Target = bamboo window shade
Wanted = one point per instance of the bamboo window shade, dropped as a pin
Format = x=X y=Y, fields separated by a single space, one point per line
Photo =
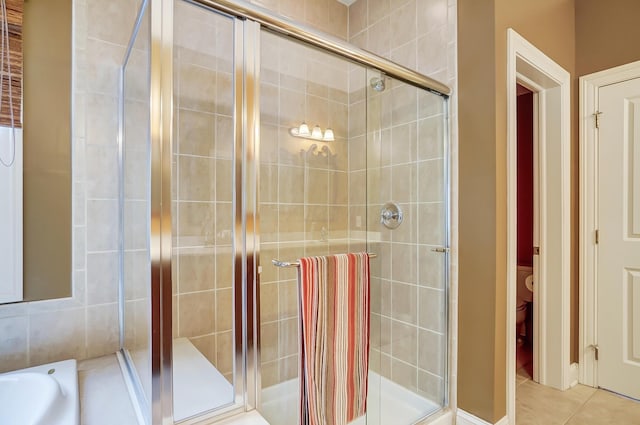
x=15 y=13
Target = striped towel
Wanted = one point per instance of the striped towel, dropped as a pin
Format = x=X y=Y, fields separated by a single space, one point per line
x=334 y=338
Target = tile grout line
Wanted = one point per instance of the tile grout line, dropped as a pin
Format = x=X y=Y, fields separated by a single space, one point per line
x=579 y=408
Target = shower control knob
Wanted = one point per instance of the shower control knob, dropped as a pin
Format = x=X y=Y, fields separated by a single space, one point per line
x=391 y=215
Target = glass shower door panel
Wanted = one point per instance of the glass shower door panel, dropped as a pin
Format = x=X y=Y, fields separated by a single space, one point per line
x=203 y=212
x=306 y=206
x=406 y=167
x=135 y=209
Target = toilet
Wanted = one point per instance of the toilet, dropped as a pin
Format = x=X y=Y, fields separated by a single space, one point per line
x=524 y=297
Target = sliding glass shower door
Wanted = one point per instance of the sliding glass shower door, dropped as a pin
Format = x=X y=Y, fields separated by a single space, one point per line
x=342 y=147
x=304 y=195
x=407 y=183
x=207 y=375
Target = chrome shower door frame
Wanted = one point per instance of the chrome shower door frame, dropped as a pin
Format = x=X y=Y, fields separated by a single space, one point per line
x=246 y=115
x=161 y=128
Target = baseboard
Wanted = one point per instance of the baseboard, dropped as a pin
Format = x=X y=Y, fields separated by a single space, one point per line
x=574 y=374
x=464 y=418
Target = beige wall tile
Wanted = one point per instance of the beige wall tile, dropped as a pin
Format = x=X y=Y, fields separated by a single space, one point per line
x=207 y=346
x=224 y=137
x=317 y=13
x=269 y=310
x=103 y=336
x=404 y=302
x=14 y=348
x=270 y=373
x=357 y=17
x=288 y=337
x=289 y=368
x=404 y=374
x=380 y=37
x=102 y=278
x=404 y=340
x=57 y=335
x=430 y=352
x=225 y=349
x=431 y=306
x=196 y=178
x=269 y=338
x=430 y=138
x=429 y=234
x=196 y=269
x=196 y=133
x=431 y=386
x=338 y=19
x=224 y=310
x=196 y=223
x=196 y=313
x=403 y=23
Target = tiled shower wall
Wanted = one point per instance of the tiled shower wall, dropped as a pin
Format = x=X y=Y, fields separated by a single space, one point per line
x=303 y=196
x=406 y=129
x=203 y=183
x=85 y=325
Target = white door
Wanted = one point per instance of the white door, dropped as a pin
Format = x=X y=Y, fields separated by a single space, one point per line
x=618 y=280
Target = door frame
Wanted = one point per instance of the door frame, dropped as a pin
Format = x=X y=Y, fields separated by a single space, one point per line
x=589 y=86
x=529 y=66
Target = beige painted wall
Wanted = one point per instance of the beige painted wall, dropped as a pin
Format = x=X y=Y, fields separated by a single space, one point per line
x=607 y=34
x=482 y=38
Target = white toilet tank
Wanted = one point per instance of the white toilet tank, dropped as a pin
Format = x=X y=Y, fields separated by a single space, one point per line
x=524 y=285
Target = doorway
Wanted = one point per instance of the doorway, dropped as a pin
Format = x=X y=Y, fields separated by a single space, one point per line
x=531 y=68
x=526 y=226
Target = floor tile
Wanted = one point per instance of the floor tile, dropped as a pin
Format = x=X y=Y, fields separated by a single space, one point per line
x=606 y=408
x=538 y=404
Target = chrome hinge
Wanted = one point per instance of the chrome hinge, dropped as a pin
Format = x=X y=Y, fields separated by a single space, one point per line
x=597 y=236
x=597 y=118
x=536 y=250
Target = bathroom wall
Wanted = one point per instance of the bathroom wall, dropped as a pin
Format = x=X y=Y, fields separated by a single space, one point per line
x=482 y=52
x=406 y=129
x=303 y=196
x=85 y=325
x=603 y=31
x=203 y=183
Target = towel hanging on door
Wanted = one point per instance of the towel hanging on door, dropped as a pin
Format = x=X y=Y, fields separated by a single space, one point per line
x=334 y=338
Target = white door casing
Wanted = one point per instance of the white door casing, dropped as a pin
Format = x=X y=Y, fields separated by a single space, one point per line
x=618 y=276
x=610 y=203
x=528 y=65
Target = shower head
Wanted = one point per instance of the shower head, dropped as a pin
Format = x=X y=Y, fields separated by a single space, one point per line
x=377 y=84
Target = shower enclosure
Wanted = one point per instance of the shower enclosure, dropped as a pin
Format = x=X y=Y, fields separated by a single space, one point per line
x=244 y=139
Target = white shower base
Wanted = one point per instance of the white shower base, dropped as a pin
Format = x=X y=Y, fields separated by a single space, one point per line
x=398 y=405
x=197 y=385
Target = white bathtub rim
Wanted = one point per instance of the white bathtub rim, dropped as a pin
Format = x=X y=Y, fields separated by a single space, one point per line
x=66 y=409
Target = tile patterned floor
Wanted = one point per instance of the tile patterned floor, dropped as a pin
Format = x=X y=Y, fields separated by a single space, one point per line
x=581 y=405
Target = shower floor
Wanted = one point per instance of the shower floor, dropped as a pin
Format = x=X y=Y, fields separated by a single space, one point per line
x=197 y=385
x=398 y=405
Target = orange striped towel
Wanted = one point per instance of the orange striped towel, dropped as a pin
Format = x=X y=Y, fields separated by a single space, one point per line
x=334 y=338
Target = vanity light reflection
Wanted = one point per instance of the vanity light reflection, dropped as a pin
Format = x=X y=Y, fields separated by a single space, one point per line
x=316 y=134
